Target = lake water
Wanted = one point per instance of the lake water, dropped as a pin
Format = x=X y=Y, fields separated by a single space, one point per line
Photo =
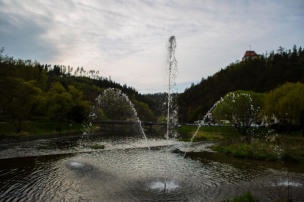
x=58 y=169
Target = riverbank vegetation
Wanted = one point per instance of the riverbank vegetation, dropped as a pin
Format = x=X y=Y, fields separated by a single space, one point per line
x=246 y=197
x=210 y=133
x=281 y=147
x=38 y=129
x=286 y=147
x=278 y=133
x=241 y=109
x=260 y=99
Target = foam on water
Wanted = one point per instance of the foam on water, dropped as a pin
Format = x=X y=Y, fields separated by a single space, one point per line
x=287 y=183
x=163 y=186
x=76 y=164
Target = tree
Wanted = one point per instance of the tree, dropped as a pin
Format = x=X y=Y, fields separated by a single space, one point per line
x=59 y=104
x=80 y=108
x=18 y=100
x=116 y=105
x=241 y=108
x=286 y=103
x=143 y=110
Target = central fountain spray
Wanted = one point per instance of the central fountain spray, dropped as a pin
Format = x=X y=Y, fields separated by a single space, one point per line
x=171 y=82
x=171 y=111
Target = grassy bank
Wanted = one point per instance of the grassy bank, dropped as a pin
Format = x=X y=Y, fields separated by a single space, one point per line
x=259 y=151
x=207 y=133
x=247 y=197
x=287 y=147
x=45 y=129
x=38 y=129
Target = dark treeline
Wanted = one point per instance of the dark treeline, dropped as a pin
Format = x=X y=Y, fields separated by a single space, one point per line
x=32 y=92
x=157 y=103
x=260 y=74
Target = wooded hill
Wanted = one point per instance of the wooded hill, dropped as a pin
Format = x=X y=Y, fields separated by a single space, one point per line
x=32 y=92
x=260 y=74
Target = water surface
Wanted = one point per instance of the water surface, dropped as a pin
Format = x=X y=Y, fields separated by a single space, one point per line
x=128 y=171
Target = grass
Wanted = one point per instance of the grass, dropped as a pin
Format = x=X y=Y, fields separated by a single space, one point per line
x=286 y=147
x=247 y=197
x=293 y=147
x=258 y=151
x=207 y=133
x=97 y=147
x=31 y=128
x=201 y=136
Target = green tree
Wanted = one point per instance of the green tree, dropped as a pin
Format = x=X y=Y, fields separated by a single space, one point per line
x=162 y=119
x=143 y=110
x=80 y=108
x=286 y=103
x=116 y=105
x=40 y=105
x=241 y=108
x=18 y=100
x=59 y=104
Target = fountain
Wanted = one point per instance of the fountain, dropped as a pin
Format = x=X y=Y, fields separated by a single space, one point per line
x=171 y=110
x=106 y=100
x=172 y=70
x=112 y=98
x=127 y=170
x=202 y=122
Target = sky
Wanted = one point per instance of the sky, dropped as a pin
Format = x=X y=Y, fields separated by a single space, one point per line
x=127 y=40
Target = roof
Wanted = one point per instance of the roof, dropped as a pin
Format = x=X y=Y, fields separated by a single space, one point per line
x=249 y=53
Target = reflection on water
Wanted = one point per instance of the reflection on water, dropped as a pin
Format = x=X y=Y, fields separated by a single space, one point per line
x=127 y=171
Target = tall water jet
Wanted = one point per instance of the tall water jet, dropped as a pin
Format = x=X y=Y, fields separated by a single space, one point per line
x=172 y=70
x=171 y=109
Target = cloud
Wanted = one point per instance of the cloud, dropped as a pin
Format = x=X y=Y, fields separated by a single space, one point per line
x=21 y=35
x=127 y=39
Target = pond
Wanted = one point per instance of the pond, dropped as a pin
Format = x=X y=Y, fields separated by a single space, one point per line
x=58 y=169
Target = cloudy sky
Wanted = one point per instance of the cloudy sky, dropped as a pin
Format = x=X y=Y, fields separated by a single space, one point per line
x=127 y=39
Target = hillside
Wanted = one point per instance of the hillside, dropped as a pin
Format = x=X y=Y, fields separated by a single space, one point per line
x=260 y=74
x=33 y=93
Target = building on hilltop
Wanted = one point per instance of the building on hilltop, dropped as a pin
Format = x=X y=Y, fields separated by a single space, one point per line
x=249 y=54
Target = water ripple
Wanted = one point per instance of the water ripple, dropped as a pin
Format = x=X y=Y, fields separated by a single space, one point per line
x=138 y=175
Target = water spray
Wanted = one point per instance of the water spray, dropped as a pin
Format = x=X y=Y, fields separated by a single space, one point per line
x=171 y=79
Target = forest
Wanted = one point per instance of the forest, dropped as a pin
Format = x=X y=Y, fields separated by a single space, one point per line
x=261 y=74
x=57 y=96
